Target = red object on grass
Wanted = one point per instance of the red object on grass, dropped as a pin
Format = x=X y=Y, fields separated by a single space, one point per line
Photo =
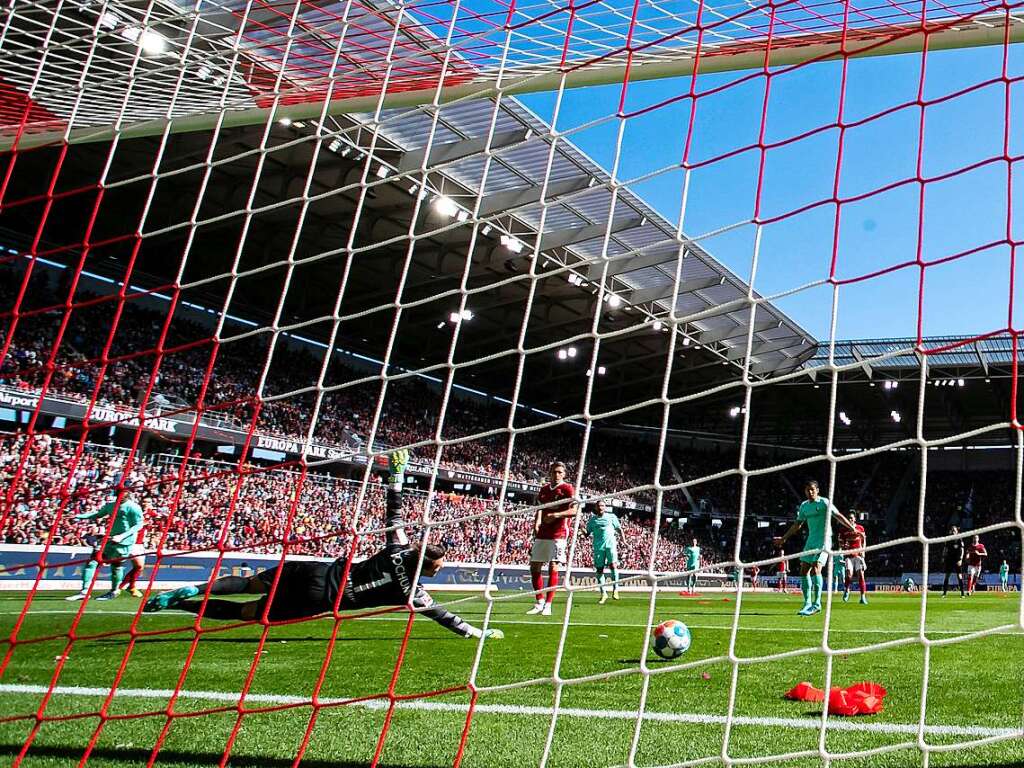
x=858 y=699
x=805 y=692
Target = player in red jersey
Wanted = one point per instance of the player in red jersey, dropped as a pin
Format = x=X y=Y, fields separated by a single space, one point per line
x=551 y=532
x=781 y=583
x=853 y=543
x=138 y=556
x=975 y=552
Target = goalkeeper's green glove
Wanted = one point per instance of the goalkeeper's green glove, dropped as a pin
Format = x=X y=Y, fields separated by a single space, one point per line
x=397 y=463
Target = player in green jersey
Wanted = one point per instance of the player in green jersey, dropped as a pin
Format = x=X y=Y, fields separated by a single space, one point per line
x=838 y=573
x=601 y=528
x=1004 y=577
x=128 y=521
x=692 y=564
x=736 y=577
x=814 y=513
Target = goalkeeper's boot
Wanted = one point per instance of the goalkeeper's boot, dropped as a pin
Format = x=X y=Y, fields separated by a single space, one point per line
x=816 y=608
x=170 y=599
x=807 y=610
x=604 y=598
x=846 y=595
x=863 y=599
x=111 y=595
x=397 y=463
x=615 y=593
x=77 y=596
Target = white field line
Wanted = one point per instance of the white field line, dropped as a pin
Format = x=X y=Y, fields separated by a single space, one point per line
x=807 y=723
x=908 y=632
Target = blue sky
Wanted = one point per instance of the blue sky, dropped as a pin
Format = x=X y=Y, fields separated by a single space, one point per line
x=966 y=296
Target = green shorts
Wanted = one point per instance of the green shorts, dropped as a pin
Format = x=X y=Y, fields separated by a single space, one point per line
x=112 y=552
x=819 y=558
x=605 y=557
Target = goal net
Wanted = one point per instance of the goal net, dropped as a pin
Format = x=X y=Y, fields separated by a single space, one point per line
x=250 y=249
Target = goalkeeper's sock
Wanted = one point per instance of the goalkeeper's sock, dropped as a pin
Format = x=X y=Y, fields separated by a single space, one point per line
x=88 y=571
x=805 y=587
x=219 y=610
x=817 y=584
x=615 y=577
x=226 y=585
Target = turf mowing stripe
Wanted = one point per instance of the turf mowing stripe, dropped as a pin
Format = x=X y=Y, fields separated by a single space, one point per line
x=910 y=631
x=810 y=723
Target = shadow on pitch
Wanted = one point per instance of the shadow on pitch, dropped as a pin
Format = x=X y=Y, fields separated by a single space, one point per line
x=134 y=757
x=255 y=640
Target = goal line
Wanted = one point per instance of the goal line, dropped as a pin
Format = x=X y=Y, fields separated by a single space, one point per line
x=694 y=718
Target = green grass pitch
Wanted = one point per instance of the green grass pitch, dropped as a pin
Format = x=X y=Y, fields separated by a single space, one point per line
x=974 y=694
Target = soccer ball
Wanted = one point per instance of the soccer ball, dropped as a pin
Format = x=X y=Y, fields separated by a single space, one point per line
x=671 y=639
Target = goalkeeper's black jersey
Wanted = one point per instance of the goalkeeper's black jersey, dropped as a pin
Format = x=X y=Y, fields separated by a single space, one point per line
x=387 y=578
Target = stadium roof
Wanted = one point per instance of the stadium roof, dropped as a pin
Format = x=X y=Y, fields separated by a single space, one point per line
x=643 y=250
x=990 y=355
x=294 y=49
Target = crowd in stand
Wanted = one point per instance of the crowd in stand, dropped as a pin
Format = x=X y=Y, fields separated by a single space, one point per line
x=209 y=504
x=210 y=507
x=227 y=377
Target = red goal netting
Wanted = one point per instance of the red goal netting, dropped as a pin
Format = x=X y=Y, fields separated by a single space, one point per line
x=244 y=244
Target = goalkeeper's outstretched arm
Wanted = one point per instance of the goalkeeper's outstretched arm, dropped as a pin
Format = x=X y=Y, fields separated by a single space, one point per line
x=424 y=603
x=396 y=535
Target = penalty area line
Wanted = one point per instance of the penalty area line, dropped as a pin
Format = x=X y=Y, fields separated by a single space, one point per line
x=694 y=718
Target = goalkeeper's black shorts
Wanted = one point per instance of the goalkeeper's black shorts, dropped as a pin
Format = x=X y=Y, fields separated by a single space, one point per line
x=301 y=590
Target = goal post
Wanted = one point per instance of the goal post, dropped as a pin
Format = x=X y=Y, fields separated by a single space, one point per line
x=676 y=53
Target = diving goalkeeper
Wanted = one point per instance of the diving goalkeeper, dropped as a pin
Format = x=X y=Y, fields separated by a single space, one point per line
x=308 y=588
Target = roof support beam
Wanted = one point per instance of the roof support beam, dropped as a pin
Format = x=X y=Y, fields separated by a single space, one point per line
x=456 y=150
x=868 y=370
x=618 y=264
x=522 y=196
x=659 y=292
x=982 y=357
x=780 y=368
x=739 y=329
x=560 y=238
x=740 y=351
